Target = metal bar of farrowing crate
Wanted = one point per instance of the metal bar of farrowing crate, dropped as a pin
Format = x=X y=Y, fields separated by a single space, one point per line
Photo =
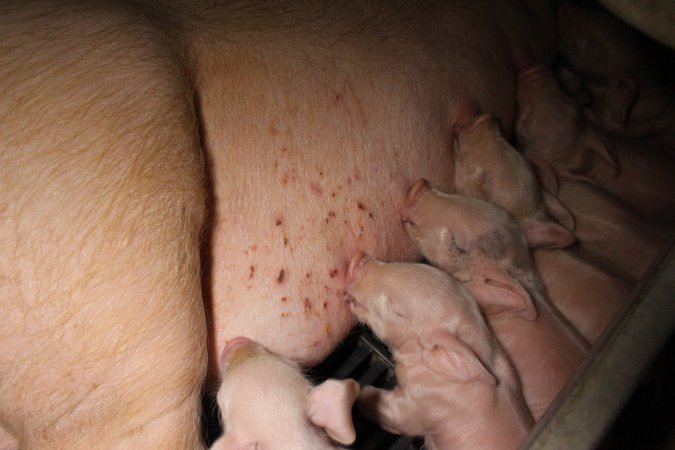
x=581 y=415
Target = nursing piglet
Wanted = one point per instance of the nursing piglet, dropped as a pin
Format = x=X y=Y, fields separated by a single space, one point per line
x=629 y=78
x=455 y=384
x=488 y=167
x=266 y=403
x=480 y=245
x=555 y=134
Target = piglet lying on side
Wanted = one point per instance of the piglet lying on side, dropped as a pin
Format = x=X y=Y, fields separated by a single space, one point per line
x=455 y=384
x=266 y=403
x=479 y=244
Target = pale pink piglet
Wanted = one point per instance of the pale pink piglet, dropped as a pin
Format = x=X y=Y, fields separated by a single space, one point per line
x=455 y=384
x=266 y=403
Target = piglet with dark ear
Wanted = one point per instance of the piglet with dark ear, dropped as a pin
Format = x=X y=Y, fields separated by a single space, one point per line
x=267 y=404
x=482 y=246
x=455 y=384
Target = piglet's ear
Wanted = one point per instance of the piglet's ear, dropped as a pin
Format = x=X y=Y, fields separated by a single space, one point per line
x=600 y=143
x=330 y=407
x=500 y=296
x=558 y=211
x=452 y=359
x=621 y=93
x=545 y=174
x=547 y=234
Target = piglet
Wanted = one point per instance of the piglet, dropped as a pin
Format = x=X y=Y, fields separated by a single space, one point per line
x=266 y=403
x=562 y=141
x=629 y=78
x=482 y=246
x=615 y=233
x=595 y=297
x=551 y=129
x=455 y=384
x=488 y=167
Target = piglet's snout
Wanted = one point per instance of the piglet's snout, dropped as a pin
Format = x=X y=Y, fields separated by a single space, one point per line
x=236 y=349
x=480 y=121
x=357 y=262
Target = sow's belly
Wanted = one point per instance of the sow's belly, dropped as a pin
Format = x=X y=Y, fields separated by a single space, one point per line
x=310 y=156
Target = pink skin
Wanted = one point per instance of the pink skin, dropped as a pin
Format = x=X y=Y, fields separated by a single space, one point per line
x=265 y=402
x=595 y=298
x=488 y=167
x=550 y=127
x=7 y=442
x=341 y=151
x=622 y=70
x=455 y=384
x=184 y=173
x=611 y=231
x=557 y=137
x=483 y=247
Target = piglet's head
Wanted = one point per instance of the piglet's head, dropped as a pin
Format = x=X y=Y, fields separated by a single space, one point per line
x=396 y=300
x=452 y=230
x=266 y=403
x=436 y=230
x=371 y=298
x=477 y=242
x=426 y=316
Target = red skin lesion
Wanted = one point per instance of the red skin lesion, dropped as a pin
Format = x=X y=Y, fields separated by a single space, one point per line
x=315 y=188
x=307 y=305
x=331 y=215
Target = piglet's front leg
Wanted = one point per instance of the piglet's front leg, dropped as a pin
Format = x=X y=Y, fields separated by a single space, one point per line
x=386 y=408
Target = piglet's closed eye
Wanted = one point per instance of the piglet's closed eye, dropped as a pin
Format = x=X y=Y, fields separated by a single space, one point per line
x=452 y=359
x=329 y=406
x=501 y=296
